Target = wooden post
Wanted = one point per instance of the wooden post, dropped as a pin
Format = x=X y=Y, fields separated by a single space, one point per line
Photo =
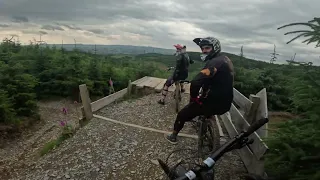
x=250 y=116
x=129 y=89
x=262 y=112
x=86 y=102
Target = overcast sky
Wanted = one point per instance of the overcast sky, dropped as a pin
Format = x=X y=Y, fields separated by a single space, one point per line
x=251 y=23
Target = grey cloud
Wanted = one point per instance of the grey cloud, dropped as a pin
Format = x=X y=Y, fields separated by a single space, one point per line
x=33 y=32
x=78 y=10
x=69 y=26
x=110 y=38
x=4 y=25
x=234 y=22
x=19 y=19
x=52 y=28
x=43 y=32
x=96 y=31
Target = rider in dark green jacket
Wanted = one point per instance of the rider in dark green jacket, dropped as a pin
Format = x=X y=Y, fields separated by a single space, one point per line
x=181 y=70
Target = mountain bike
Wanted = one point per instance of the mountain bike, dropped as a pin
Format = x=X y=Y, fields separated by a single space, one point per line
x=177 y=92
x=205 y=171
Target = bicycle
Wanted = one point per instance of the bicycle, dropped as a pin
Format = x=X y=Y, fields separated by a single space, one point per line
x=177 y=92
x=204 y=171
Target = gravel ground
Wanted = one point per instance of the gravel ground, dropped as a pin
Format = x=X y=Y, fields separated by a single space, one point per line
x=105 y=150
x=23 y=151
x=147 y=112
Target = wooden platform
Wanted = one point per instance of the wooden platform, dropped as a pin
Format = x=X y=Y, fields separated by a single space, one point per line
x=156 y=84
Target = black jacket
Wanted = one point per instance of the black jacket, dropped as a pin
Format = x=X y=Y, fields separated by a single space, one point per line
x=216 y=79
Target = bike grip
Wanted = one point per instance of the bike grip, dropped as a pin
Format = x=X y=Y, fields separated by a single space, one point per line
x=255 y=126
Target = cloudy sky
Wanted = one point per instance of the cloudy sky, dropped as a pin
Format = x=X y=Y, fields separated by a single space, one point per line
x=251 y=23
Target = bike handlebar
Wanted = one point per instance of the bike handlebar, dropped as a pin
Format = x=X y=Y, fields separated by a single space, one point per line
x=255 y=126
x=236 y=142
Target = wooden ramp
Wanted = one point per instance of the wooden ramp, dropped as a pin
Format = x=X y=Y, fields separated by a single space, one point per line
x=156 y=84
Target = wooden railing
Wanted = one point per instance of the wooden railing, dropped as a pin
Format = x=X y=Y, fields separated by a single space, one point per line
x=239 y=119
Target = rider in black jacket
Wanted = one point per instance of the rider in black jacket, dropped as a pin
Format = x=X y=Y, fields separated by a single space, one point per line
x=181 y=70
x=216 y=80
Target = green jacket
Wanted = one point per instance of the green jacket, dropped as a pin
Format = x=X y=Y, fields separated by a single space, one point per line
x=182 y=63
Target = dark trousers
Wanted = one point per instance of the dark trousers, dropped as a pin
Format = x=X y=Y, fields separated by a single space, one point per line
x=193 y=110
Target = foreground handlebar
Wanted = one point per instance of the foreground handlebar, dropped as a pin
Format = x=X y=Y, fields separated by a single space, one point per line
x=255 y=126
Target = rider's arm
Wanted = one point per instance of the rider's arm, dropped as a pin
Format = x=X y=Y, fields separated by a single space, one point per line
x=202 y=78
x=231 y=68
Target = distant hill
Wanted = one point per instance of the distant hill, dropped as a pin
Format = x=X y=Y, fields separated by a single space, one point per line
x=115 y=49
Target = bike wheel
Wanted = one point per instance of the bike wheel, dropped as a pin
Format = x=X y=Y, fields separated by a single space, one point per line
x=202 y=127
x=212 y=134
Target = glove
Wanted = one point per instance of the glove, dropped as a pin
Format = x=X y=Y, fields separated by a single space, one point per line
x=196 y=100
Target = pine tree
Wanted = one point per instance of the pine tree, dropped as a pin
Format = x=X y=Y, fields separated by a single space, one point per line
x=295 y=147
x=313 y=35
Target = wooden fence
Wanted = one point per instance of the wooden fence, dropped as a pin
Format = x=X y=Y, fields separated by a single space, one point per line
x=239 y=119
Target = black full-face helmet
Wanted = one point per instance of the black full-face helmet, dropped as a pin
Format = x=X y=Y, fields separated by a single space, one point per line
x=209 y=41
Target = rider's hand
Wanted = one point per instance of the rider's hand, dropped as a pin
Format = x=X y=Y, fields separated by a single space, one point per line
x=196 y=100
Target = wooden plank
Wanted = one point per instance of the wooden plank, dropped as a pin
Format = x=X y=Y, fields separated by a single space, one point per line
x=155 y=82
x=159 y=87
x=251 y=114
x=136 y=86
x=258 y=147
x=252 y=164
x=146 y=82
x=262 y=112
x=151 y=82
x=145 y=128
x=100 y=103
x=139 y=80
x=86 y=101
x=243 y=102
